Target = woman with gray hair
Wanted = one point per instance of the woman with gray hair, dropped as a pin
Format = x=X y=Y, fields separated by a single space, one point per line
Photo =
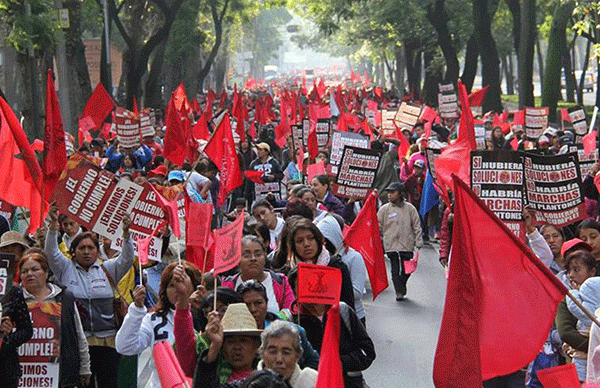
x=280 y=350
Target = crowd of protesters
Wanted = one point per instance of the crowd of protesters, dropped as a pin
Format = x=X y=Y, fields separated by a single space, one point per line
x=258 y=331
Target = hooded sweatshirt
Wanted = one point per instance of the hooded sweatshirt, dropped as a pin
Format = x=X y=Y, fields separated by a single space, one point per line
x=331 y=230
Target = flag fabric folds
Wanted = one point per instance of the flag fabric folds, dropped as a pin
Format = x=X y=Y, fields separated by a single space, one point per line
x=55 y=150
x=562 y=376
x=330 y=374
x=500 y=299
x=170 y=210
x=364 y=237
x=228 y=245
x=98 y=106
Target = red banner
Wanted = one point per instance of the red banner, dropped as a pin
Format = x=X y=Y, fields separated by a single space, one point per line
x=319 y=284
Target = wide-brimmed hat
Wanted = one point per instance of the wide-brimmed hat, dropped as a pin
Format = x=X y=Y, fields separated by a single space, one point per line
x=12 y=237
x=239 y=321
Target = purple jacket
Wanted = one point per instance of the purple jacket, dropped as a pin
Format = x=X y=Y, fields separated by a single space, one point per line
x=281 y=287
x=333 y=204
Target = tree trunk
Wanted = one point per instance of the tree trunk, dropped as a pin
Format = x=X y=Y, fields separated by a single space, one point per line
x=431 y=83
x=508 y=76
x=400 y=57
x=218 y=26
x=557 y=41
x=413 y=69
x=220 y=71
x=570 y=83
x=586 y=62
x=526 y=53
x=32 y=102
x=514 y=7
x=538 y=50
x=105 y=67
x=153 y=97
x=437 y=16
x=511 y=73
x=490 y=64
x=471 y=59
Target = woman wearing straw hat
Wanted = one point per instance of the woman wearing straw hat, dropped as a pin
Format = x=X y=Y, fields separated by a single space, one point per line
x=232 y=354
x=13 y=243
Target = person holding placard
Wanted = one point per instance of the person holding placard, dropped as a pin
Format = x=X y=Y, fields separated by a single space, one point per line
x=322 y=188
x=73 y=351
x=92 y=284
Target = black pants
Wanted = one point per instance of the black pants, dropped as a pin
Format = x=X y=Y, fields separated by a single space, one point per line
x=513 y=380
x=399 y=277
x=104 y=362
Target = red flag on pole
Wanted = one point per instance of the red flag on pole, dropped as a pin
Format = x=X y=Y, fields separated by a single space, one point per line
x=319 y=284
x=519 y=117
x=489 y=299
x=330 y=373
x=200 y=130
x=221 y=150
x=168 y=368
x=364 y=237
x=20 y=174
x=476 y=98
x=177 y=139
x=255 y=176
x=98 y=106
x=143 y=244
x=564 y=115
x=589 y=142
x=228 y=245
x=312 y=144
x=181 y=101
x=562 y=376
x=198 y=236
x=55 y=150
x=454 y=159
x=467 y=126
x=170 y=210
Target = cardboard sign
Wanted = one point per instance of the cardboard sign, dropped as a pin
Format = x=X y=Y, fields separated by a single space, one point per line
x=276 y=188
x=7 y=273
x=536 y=121
x=97 y=200
x=553 y=188
x=388 y=128
x=480 y=137
x=497 y=178
x=341 y=139
x=298 y=136
x=448 y=102
x=577 y=115
x=39 y=355
x=585 y=162
x=432 y=154
x=323 y=129
x=407 y=116
x=357 y=172
x=319 y=284
x=147 y=122
x=128 y=128
x=305 y=132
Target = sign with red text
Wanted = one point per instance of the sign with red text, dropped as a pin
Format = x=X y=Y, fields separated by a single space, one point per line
x=341 y=139
x=448 y=102
x=323 y=128
x=553 y=188
x=127 y=125
x=497 y=178
x=406 y=117
x=357 y=172
x=536 y=121
x=577 y=116
x=319 y=284
x=39 y=356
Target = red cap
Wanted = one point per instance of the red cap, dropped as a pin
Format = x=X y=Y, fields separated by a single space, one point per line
x=160 y=170
x=573 y=245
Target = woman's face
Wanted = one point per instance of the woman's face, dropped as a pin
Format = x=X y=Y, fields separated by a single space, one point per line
x=306 y=245
x=281 y=356
x=252 y=263
x=319 y=188
x=86 y=253
x=554 y=240
x=310 y=200
x=257 y=305
x=266 y=216
x=592 y=237
x=239 y=351
x=128 y=161
x=497 y=133
x=32 y=275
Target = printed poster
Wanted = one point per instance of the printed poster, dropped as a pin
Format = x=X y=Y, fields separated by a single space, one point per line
x=128 y=128
x=357 y=172
x=341 y=139
x=536 y=121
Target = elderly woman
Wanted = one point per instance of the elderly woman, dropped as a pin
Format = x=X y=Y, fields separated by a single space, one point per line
x=74 y=366
x=281 y=350
x=92 y=283
x=252 y=266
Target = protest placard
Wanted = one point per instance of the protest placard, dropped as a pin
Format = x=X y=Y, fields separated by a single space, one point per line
x=448 y=102
x=39 y=355
x=341 y=139
x=276 y=188
x=356 y=173
x=128 y=128
x=97 y=200
x=497 y=178
x=147 y=121
x=7 y=210
x=7 y=273
x=480 y=137
x=553 y=188
x=388 y=128
x=432 y=154
x=585 y=162
x=407 y=116
x=298 y=137
x=305 y=132
x=536 y=121
x=323 y=129
x=577 y=115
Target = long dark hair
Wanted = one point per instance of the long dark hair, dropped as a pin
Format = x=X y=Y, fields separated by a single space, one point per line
x=79 y=238
x=306 y=224
x=163 y=306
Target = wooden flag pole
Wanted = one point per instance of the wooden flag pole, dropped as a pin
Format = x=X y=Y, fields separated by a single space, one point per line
x=585 y=310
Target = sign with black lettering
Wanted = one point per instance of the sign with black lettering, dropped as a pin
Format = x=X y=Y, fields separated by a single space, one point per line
x=448 y=102
x=323 y=129
x=553 y=188
x=127 y=124
x=341 y=139
x=536 y=121
x=577 y=116
x=357 y=172
x=497 y=178
x=406 y=117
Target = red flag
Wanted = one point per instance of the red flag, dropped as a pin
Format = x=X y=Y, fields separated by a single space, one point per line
x=476 y=98
x=315 y=169
x=55 y=150
x=281 y=131
x=168 y=368
x=319 y=284
x=210 y=99
x=589 y=142
x=255 y=176
x=454 y=159
x=353 y=77
x=178 y=143
x=363 y=236
x=200 y=130
x=321 y=89
x=467 y=127
x=196 y=106
x=199 y=237
x=20 y=174
x=228 y=245
x=181 y=101
x=37 y=145
x=488 y=299
x=404 y=145
x=143 y=244
x=222 y=98
x=562 y=376
x=86 y=124
x=221 y=150
x=98 y=106
x=519 y=117
x=514 y=143
x=564 y=115
x=170 y=209
x=135 y=107
x=330 y=374
x=312 y=144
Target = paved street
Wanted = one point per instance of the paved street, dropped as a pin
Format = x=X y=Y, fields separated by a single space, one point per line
x=405 y=333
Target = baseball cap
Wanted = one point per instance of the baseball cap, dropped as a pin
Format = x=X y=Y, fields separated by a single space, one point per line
x=419 y=163
x=573 y=245
x=395 y=186
x=176 y=175
x=264 y=146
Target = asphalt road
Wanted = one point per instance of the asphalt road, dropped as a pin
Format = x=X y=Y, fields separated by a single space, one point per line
x=405 y=333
